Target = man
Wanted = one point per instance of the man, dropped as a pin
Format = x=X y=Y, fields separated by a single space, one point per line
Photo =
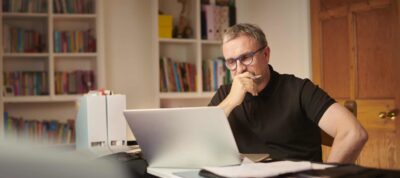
x=277 y=113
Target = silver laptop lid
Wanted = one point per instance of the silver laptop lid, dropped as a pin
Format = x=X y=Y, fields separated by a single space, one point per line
x=184 y=137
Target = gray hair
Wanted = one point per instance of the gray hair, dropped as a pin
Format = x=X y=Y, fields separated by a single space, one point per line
x=249 y=30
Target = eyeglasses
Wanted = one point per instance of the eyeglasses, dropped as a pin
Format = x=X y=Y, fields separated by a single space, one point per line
x=245 y=59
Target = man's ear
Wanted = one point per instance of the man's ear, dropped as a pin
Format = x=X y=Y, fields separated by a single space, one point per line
x=267 y=52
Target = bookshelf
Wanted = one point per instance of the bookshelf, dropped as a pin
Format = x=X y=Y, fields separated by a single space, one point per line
x=194 y=50
x=52 y=53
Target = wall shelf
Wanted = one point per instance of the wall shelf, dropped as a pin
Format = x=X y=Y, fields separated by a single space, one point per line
x=33 y=74
x=194 y=51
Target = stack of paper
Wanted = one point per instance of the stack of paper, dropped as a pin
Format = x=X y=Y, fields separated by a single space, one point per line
x=260 y=169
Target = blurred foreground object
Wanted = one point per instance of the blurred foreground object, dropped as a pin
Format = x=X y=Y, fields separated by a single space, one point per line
x=38 y=161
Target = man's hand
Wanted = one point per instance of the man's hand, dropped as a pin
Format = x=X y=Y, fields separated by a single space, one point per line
x=242 y=83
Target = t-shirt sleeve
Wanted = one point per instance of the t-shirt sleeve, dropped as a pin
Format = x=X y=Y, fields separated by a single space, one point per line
x=219 y=96
x=314 y=101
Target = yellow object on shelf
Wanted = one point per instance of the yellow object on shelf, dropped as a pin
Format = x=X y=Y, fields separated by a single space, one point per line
x=165 y=26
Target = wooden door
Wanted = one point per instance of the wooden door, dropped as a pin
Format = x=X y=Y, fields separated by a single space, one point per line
x=356 y=54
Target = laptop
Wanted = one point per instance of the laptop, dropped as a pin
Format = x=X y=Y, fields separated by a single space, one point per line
x=184 y=137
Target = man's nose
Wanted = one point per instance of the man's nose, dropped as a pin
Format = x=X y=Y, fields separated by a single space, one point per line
x=240 y=68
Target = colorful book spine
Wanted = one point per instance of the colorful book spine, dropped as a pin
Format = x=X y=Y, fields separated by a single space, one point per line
x=20 y=40
x=74 y=41
x=23 y=6
x=22 y=83
x=51 y=132
x=75 y=82
x=177 y=76
x=74 y=6
x=215 y=74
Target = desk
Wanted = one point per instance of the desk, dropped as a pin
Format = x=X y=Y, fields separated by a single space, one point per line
x=340 y=171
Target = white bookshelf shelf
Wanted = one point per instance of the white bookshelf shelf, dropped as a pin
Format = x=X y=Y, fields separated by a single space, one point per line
x=211 y=42
x=75 y=55
x=24 y=15
x=74 y=16
x=173 y=40
x=38 y=99
x=186 y=95
x=66 y=97
x=26 y=99
x=25 y=55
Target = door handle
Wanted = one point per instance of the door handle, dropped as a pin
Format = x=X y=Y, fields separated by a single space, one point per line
x=392 y=114
x=382 y=115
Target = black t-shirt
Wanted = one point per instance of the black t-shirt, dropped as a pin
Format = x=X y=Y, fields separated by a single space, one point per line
x=282 y=120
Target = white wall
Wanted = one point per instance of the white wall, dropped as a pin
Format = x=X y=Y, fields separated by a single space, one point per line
x=286 y=24
x=129 y=43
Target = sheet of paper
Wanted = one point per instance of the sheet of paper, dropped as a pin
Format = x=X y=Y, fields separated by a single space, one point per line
x=260 y=169
x=319 y=166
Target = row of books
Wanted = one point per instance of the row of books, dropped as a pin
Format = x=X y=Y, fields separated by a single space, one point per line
x=215 y=20
x=35 y=83
x=177 y=76
x=76 y=82
x=46 y=131
x=22 y=83
x=215 y=74
x=19 y=40
x=74 y=41
x=74 y=6
x=31 y=6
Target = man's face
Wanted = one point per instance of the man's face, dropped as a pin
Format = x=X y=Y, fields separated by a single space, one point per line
x=241 y=46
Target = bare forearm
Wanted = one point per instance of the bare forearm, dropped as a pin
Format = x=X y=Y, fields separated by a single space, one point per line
x=227 y=106
x=347 y=147
x=349 y=135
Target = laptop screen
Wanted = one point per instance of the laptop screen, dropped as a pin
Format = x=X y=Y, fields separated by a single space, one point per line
x=184 y=137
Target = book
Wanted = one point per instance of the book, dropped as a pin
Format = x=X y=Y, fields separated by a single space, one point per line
x=176 y=76
x=223 y=19
x=203 y=23
x=165 y=26
x=20 y=129
x=210 y=21
x=163 y=82
x=168 y=81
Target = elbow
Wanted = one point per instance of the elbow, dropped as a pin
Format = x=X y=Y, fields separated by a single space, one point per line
x=360 y=137
x=356 y=136
x=363 y=136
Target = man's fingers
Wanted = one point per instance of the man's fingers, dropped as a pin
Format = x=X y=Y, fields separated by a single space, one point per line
x=255 y=93
x=253 y=88
x=248 y=75
x=249 y=86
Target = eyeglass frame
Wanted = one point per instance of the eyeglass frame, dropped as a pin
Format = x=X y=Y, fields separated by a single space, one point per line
x=244 y=56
